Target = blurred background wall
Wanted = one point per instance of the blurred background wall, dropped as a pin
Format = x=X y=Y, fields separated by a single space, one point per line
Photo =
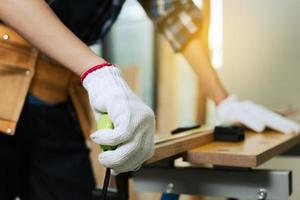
x=261 y=49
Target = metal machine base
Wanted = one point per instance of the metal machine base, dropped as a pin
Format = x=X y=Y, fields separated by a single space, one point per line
x=230 y=183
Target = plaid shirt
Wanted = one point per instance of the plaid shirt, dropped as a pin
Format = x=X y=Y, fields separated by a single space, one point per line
x=177 y=20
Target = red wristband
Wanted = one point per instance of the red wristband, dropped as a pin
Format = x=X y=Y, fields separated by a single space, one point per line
x=87 y=72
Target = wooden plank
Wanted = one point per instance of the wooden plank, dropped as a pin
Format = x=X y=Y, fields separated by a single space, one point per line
x=166 y=99
x=255 y=150
x=171 y=146
x=132 y=76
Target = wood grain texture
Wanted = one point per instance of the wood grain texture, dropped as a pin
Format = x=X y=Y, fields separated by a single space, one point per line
x=255 y=150
x=180 y=145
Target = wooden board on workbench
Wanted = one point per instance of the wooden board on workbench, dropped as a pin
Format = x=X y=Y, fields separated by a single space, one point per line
x=255 y=150
x=180 y=143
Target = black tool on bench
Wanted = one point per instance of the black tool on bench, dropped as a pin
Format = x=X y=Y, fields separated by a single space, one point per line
x=187 y=128
x=229 y=133
x=221 y=133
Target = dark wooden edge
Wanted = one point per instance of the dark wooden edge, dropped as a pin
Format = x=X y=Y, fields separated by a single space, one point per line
x=177 y=146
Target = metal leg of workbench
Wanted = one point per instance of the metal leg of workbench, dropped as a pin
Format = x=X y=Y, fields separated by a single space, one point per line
x=244 y=184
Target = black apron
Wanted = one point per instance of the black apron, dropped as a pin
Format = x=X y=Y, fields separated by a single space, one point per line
x=89 y=20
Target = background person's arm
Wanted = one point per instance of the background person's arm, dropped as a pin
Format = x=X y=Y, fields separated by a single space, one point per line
x=197 y=55
x=230 y=110
x=35 y=21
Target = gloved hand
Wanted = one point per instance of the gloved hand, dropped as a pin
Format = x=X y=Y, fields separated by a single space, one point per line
x=134 y=122
x=256 y=117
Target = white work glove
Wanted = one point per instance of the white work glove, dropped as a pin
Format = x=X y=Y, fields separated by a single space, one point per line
x=134 y=122
x=256 y=117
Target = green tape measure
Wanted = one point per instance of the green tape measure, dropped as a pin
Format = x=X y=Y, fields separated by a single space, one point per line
x=105 y=123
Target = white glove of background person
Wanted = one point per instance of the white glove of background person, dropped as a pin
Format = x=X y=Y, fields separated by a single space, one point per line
x=134 y=122
x=256 y=117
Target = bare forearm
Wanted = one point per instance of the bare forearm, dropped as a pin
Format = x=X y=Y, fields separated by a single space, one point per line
x=196 y=54
x=38 y=24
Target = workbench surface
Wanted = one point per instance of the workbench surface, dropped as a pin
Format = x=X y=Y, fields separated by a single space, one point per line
x=256 y=149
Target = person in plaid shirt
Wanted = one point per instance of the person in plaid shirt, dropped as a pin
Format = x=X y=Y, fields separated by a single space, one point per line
x=55 y=171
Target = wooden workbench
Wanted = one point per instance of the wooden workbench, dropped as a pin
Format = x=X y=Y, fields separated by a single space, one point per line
x=256 y=149
x=246 y=182
x=198 y=147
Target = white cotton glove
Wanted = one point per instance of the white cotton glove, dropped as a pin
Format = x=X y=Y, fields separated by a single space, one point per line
x=256 y=117
x=134 y=122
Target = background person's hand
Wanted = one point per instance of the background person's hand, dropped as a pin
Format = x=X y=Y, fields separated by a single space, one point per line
x=256 y=117
x=134 y=122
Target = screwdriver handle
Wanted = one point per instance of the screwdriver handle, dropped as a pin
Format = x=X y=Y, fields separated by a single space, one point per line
x=105 y=123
